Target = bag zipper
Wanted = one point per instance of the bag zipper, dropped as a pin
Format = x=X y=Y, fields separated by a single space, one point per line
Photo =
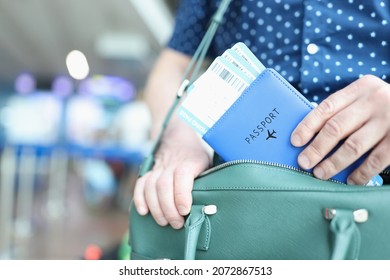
x=234 y=162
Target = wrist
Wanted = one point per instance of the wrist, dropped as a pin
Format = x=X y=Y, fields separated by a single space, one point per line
x=180 y=133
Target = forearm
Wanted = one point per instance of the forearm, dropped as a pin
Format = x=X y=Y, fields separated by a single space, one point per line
x=162 y=86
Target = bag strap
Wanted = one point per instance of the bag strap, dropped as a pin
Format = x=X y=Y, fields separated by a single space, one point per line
x=189 y=76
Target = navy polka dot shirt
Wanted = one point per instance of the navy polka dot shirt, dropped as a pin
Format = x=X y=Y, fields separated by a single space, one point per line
x=320 y=46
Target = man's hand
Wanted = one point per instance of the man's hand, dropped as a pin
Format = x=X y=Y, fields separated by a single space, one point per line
x=165 y=191
x=360 y=114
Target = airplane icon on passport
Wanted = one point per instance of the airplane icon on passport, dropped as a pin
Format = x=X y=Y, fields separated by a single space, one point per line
x=271 y=134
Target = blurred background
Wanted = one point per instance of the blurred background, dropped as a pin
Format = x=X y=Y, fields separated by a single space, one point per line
x=73 y=126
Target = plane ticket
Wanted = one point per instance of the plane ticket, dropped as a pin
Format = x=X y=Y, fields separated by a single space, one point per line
x=218 y=88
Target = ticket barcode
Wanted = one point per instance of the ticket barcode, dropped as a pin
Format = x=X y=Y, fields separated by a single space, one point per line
x=233 y=80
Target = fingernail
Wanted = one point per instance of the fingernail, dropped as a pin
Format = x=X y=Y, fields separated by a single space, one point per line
x=296 y=140
x=142 y=210
x=319 y=173
x=162 y=221
x=182 y=210
x=176 y=224
x=303 y=161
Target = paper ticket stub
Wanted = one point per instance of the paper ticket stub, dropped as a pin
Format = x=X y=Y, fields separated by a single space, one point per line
x=246 y=53
x=243 y=65
x=212 y=94
x=219 y=87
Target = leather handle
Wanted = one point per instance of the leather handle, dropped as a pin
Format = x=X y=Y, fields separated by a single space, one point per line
x=192 y=227
x=346 y=236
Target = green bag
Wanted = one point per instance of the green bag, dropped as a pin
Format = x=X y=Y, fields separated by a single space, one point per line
x=249 y=210
x=255 y=210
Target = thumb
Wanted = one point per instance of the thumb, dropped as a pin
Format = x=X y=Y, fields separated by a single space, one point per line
x=183 y=183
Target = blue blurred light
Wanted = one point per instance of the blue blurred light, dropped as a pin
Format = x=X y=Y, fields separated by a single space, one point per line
x=108 y=86
x=25 y=83
x=62 y=86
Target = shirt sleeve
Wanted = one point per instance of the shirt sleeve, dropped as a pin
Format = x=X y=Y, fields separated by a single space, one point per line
x=191 y=21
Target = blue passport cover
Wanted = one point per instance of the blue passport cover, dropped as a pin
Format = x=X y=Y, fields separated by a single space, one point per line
x=259 y=124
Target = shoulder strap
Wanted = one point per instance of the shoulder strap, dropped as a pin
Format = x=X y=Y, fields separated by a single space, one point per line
x=189 y=76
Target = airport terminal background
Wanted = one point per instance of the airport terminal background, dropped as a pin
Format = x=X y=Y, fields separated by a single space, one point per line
x=73 y=126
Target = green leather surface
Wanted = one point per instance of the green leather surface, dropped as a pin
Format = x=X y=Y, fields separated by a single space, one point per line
x=267 y=212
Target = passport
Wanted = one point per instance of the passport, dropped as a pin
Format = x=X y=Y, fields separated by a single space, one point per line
x=246 y=111
x=258 y=125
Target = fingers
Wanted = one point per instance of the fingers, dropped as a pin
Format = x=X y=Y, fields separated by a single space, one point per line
x=184 y=180
x=376 y=162
x=332 y=132
x=359 y=114
x=165 y=193
x=351 y=150
x=152 y=199
x=138 y=196
x=317 y=118
x=158 y=192
x=174 y=192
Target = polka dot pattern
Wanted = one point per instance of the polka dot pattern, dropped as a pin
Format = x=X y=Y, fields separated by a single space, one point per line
x=318 y=46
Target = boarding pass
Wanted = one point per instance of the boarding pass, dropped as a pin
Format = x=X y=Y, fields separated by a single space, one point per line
x=219 y=86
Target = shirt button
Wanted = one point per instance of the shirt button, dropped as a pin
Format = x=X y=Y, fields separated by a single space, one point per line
x=312 y=48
